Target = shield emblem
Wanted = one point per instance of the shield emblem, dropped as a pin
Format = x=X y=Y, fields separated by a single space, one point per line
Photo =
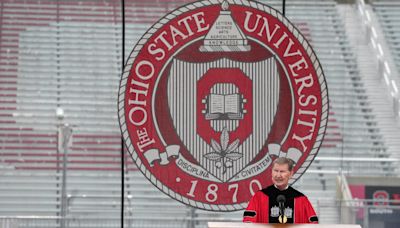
x=213 y=93
x=217 y=107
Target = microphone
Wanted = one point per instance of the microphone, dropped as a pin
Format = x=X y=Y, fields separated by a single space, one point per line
x=281 y=199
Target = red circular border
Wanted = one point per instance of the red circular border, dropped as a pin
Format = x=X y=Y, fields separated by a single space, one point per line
x=167 y=178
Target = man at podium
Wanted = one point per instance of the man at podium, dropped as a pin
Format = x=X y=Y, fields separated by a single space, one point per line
x=280 y=203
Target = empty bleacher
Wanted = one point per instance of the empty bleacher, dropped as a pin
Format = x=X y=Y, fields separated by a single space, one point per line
x=387 y=13
x=67 y=55
x=354 y=144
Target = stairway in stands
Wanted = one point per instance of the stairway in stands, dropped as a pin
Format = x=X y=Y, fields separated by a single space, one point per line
x=66 y=54
x=360 y=146
x=386 y=21
x=381 y=101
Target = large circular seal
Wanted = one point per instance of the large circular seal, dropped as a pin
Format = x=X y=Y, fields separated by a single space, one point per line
x=213 y=93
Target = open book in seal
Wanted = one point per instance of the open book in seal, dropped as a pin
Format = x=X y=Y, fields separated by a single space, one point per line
x=224 y=107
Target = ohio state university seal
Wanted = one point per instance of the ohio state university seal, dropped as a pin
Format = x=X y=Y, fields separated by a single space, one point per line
x=213 y=93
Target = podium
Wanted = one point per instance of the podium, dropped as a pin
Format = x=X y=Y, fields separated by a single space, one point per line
x=259 y=225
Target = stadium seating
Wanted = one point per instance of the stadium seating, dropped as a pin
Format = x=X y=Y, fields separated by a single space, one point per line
x=387 y=12
x=67 y=55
